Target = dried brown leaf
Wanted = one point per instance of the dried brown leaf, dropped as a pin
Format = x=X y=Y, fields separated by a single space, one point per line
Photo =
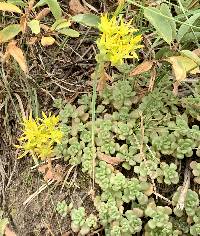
x=9 y=232
x=44 y=12
x=76 y=7
x=23 y=23
x=32 y=40
x=5 y=57
x=47 y=41
x=68 y=233
x=45 y=27
x=55 y=173
x=108 y=159
x=197 y=52
x=18 y=55
x=30 y=5
x=143 y=67
x=102 y=81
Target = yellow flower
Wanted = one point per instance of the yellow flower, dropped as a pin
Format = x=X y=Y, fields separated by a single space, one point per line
x=40 y=135
x=117 y=41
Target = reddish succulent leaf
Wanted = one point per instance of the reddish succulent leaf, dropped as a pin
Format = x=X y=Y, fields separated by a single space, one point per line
x=109 y=159
x=143 y=67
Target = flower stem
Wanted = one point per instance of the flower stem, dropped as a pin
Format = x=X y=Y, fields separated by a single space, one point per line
x=97 y=74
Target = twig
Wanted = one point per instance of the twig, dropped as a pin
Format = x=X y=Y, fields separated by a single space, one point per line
x=90 y=6
x=32 y=196
x=12 y=173
x=67 y=176
x=181 y=201
x=162 y=197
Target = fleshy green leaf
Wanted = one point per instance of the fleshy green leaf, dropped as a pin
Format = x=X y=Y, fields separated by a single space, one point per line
x=191 y=55
x=87 y=19
x=17 y=3
x=69 y=32
x=60 y=24
x=190 y=37
x=3 y=223
x=165 y=10
x=55 y=8
x=186 y=26
x=5 y=6
x=35 y=26
x=160 y=22
x=181 y=66
x=41 y=3
x=9 y=32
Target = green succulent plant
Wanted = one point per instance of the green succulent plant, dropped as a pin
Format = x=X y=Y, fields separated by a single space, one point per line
x=147 y=168
x=82 y=223
x=196 y=171
x=63 y=209
x=78 y=218
x=170 y=173
x=134 y=189
x=128 y=153
x=116 y=96
x=146 y=156
x=159 y=217
x=195 y=229
x=90 y=223
x=191 y=201
x=191 y=103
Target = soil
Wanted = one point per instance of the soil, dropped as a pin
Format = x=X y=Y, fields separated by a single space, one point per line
x=58 y=71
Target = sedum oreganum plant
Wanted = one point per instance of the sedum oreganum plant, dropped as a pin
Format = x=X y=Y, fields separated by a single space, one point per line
x=168 y=141
x=129 y=144
x=81 y=223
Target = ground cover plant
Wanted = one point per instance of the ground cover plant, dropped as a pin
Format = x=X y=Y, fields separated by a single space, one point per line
x=119 y=156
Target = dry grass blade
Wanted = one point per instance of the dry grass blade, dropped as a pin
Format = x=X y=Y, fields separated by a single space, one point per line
x=32 y=196
x=18 y=55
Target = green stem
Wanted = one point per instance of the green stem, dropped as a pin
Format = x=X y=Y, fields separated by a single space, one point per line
x=34 y=158
x=97 y=74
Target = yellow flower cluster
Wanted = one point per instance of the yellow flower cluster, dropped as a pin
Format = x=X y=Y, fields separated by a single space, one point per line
x=40 y=135
x=117 y=40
